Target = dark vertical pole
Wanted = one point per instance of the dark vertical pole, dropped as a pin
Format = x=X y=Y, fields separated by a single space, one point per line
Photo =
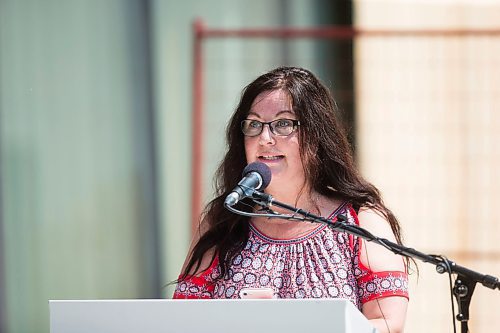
x=197 y=125
x=151 y=238
x=336 y=55
x=138 y=21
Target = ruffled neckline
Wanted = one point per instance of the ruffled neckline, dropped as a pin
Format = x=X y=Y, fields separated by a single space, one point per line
x=299 y=239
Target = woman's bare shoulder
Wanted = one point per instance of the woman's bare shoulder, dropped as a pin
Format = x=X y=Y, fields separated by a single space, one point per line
x=375 y=222
x=375 y=256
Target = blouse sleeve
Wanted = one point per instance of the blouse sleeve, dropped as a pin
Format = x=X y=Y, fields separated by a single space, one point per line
x=382 y=284
x=373 y=285
x=197 y=287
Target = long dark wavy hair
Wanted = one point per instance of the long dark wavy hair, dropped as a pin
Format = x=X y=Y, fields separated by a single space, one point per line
x=326 y=154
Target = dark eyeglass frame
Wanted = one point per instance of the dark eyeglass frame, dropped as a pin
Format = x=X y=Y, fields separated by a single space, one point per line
x=271 y=125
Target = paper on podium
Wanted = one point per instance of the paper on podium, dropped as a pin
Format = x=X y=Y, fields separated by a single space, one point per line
x=200 y=316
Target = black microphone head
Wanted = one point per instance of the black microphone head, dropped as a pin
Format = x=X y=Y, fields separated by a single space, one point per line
x=262 y=169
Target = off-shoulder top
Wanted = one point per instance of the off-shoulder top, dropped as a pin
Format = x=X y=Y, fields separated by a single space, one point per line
x=322 y=264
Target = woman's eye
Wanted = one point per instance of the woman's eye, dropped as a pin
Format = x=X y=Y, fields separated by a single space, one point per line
x=255 y=124
x=283 y=123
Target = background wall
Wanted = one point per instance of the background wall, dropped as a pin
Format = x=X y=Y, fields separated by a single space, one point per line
x=428 y=127
x=95 y=137
x=77 y=157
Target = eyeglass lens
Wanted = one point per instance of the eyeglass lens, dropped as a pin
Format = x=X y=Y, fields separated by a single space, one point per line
x=282 y=127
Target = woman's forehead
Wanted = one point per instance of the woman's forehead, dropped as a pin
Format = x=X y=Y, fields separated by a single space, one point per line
x=276 y=96
x=272 y=102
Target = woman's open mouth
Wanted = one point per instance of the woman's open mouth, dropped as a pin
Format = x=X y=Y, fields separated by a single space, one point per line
x=270 y=158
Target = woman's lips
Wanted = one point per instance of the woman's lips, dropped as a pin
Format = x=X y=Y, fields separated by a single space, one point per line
x=270 y=158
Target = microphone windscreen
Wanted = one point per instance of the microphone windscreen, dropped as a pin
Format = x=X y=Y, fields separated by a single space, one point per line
x=262 y=169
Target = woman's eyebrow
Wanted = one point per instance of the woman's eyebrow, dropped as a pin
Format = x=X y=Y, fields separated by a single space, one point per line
x=251 y=113
x=285 y=111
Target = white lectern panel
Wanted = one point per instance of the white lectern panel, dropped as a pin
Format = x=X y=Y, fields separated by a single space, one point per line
x=200 y=316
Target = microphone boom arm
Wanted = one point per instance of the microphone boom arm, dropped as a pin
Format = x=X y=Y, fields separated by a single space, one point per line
x=464 y=283
x=486 y=280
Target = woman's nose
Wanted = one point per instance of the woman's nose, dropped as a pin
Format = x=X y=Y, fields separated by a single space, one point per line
x=266 y=136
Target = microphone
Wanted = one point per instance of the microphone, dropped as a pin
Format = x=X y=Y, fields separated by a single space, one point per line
x=256 y=176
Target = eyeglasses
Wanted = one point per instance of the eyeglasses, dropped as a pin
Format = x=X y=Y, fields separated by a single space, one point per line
x=282 y=127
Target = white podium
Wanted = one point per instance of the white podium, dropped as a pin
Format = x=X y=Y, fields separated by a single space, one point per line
x=200 y=316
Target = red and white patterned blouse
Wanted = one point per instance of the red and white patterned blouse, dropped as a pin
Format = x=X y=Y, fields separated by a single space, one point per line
x=322 y=264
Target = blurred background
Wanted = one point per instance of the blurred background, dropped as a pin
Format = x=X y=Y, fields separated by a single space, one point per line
x=96 y=136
